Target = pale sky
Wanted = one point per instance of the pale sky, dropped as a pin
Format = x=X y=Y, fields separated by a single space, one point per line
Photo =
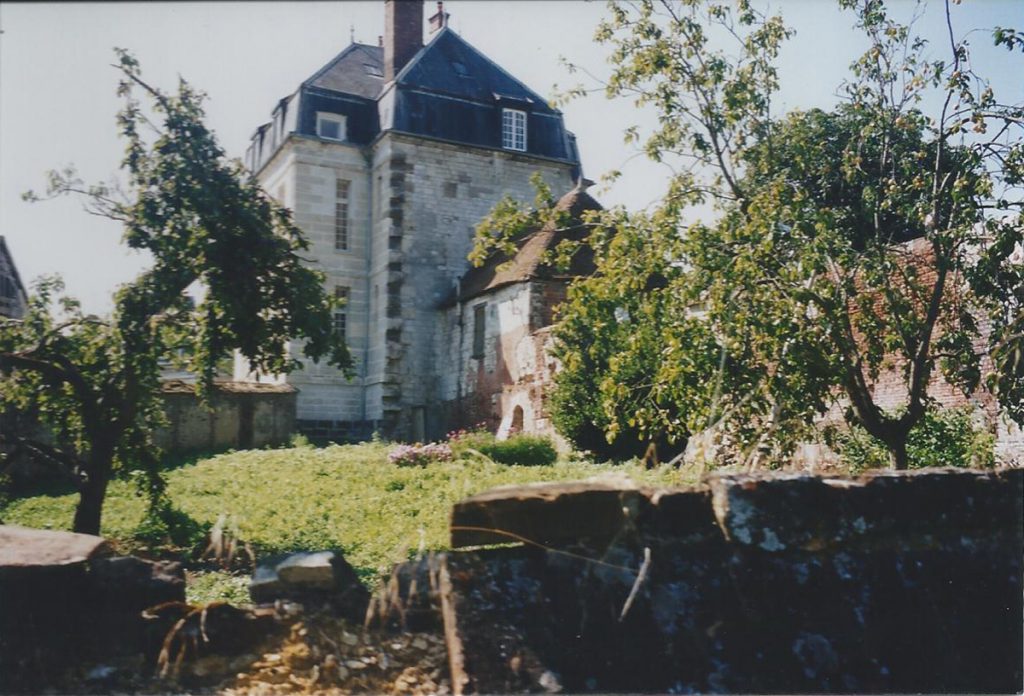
x=57 y=100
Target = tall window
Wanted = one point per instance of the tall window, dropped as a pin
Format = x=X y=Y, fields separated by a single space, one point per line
x=341 y=214
x=513 y=129
x=479 y=325
x=340 y=320
x=330 y=126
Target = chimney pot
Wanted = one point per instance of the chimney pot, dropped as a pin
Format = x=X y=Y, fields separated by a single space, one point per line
x=440 y=19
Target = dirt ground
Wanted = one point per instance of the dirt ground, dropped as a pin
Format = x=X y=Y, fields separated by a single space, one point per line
x=316 y=653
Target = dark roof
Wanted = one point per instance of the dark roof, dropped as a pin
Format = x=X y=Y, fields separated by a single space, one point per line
x=8 y=262
x=358 y=70
x=528 y=262
x=447 y=91
x=451 y=66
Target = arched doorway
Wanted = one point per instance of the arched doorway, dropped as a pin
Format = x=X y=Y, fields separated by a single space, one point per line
x=517 y=421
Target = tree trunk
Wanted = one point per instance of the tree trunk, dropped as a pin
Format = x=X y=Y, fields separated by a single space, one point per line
x=90 y=505
x=93 y=491
x=898 y=453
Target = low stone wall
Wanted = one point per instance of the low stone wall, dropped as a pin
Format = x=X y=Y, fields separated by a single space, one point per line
x=892 y=582
x=66 y=598
x=344 y=432
x=241 y=415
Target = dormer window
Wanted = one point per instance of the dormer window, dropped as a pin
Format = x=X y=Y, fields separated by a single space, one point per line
x=513 y=129
x=330 y=126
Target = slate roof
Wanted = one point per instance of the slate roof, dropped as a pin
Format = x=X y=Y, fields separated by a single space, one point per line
x=13 y=298
x=358 y=70
x=448 y=90
x=8 y=262
x=528 y=262
x=450 y=65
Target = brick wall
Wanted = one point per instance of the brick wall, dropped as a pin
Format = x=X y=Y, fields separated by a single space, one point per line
x=516 y=368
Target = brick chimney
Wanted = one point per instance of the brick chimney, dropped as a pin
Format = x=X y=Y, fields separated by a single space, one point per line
x=403 y=34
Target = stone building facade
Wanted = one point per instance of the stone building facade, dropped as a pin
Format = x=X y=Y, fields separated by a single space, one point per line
x=388 y=157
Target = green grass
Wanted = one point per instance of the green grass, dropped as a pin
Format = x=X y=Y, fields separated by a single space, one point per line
x=346 y=497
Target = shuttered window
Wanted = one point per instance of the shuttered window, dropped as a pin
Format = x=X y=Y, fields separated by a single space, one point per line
x=479 y=327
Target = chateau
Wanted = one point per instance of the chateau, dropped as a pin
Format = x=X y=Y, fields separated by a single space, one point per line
x=389 y=156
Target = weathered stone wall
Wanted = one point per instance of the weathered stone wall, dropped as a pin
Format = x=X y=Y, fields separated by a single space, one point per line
x=891 y=583
x=66 y=597
x=240 y=416
x=303 y=176
x=433 y=194
x=516 y=368
x=413 y=207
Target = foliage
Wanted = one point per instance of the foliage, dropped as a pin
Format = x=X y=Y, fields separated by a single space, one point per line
x=420 y=455
x=806 y=288
x=500 y=231
x=94 y=382
x=208 y=586
x=944 y=437
x=298 y=440
x=519 y=448
x=348 y=497
x=164 y=526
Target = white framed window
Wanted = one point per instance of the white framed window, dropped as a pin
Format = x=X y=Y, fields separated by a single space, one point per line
x=341 y=214
x=513 y=129
x=330 y=126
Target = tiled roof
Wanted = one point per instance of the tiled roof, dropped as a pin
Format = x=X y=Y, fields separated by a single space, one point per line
x=528 y=262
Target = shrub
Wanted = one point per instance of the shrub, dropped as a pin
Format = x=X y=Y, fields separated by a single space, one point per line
x=944 y=437
x=420 y=455
x=300 y=441
x=526 y=450
x=166 y=525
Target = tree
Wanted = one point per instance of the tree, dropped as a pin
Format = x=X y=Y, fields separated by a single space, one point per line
x=848 y=244
x=95 y=382
x=611 y=327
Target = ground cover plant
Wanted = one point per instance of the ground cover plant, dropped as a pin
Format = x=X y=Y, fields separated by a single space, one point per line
x=350 y=497
x=520 y=448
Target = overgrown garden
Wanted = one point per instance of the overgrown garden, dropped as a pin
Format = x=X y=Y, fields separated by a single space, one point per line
x=879 y=240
